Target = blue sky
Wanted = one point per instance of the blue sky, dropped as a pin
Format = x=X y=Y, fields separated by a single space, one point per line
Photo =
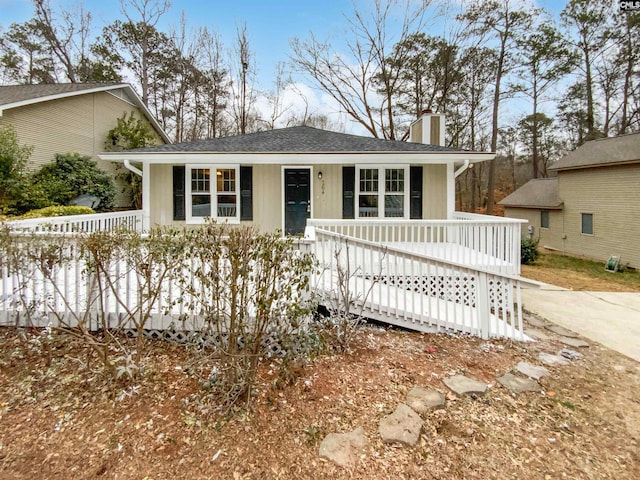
x=270 y=26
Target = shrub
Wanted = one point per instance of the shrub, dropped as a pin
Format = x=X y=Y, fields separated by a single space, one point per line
x=249 y=288
x=528 y=251
x=13 y=164
x=71 y=175
x=130 y=133
x=58 y=211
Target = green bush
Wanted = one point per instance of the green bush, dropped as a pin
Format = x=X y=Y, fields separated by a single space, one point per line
x=528 y=251
x=71 y=175
x=58 y=211
x=13 y=176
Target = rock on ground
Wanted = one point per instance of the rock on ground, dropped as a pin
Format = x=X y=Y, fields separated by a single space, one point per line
x=539 y=334
x=553 y=360
x=343 y=448
x=570 y=354
x=518 y=384
x=402 y=426
x=422 y=400
x=461 y=385
x=532 y=371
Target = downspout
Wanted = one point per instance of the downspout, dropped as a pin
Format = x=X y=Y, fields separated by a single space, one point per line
x=460 y=170
x=146 y=217
x=137 y=171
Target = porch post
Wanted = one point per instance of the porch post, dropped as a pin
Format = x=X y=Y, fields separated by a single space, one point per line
x=451 y=191
x=146 y=197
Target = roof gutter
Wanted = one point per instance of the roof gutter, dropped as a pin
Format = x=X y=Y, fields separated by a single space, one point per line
x=131 y=168
x=462 y=169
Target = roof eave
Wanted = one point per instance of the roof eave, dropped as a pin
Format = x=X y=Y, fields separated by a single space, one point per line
x=327 y=158
x=594 y=165
x=536 y=207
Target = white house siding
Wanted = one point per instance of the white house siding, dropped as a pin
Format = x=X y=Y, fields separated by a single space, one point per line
x=72 y=124
x=434 y=192
x=612 y=195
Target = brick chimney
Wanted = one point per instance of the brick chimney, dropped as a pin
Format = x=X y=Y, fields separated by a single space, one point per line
x=428 y=128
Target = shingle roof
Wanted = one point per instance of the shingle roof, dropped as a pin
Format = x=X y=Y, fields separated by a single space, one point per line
x=301 y=139
x=19 y=93
x=602 y=152
x=536 y=193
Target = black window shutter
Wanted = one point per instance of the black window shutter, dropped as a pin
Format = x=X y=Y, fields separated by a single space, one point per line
x=246 y=193
x=348 y=192
x=415 y=195
x=178 y=192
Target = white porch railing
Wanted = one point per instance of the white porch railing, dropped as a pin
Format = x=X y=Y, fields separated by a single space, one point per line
x=488 y=242
x=131 y=219
x=416 y=291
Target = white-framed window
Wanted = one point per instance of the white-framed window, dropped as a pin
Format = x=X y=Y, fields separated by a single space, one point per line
x=587 y=224
x=212 y=191
x=382 y=191
x=544 y=218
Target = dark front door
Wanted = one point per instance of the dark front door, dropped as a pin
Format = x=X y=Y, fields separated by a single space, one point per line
x=297 y=199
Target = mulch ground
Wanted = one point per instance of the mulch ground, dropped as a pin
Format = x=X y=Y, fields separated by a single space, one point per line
x=63 y=421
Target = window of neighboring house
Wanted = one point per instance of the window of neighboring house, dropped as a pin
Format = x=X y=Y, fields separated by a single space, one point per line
x=587 y=223
x=212 y=197
x=382 y=192
x=544 y=219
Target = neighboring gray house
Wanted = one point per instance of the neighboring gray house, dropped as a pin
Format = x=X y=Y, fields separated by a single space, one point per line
x=71 y=117
x=592 y=207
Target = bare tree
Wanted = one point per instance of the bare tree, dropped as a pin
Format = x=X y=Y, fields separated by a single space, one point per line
x=242 y=88
x=275 y=97
x=502 y=22
x=212 y=88
x=588 y=20
x=364 y=82
x=66 y=34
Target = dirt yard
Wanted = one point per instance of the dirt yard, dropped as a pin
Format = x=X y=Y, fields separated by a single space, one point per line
x=63 y=422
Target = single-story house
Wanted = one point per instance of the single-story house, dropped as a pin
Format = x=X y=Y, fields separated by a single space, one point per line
x=277 y=179
x=71 y=117
x=382 y=210
x=591 y=207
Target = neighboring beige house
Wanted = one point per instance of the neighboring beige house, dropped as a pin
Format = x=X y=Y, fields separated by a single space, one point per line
x=592 y=207
x=277 y=179
x=71 y=117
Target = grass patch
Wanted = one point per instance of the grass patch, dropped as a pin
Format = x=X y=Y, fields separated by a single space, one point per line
x=628 y=278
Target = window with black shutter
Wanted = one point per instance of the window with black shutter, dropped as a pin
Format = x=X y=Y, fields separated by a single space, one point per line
x=246 y=193
x=178 y=192
x=415 y=195
x=348 y=192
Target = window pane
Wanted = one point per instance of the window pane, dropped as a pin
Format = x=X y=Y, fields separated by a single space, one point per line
x=200 y=206
x=369 y=180
x=226 y=179
x=394 y=180
x=200 y=182
x=394 y=205
x=226 y=205
x=587 y=223
x=368 y=206
x=544 y=219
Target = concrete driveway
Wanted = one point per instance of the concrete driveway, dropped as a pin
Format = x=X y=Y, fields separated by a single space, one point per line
x=609 y=318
